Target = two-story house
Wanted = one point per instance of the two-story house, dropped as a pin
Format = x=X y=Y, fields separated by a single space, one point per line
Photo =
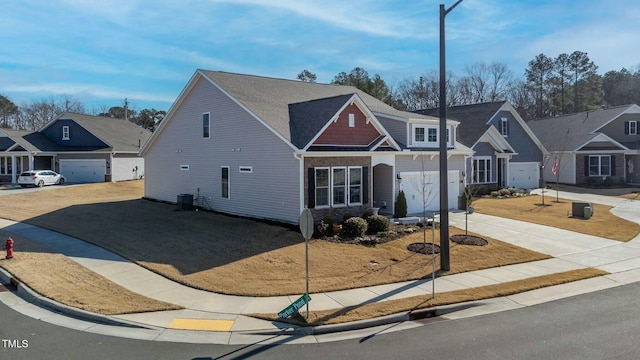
x=592 y=147
x=507 y=152
x=267 y=148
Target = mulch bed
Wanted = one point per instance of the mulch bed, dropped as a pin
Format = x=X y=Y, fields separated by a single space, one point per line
x=468 y=240
x=424 y=248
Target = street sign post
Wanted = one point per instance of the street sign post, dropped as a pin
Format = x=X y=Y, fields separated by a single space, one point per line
x=306 y=228
x=297 y=305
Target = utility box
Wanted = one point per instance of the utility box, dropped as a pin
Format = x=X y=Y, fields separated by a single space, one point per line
x=184 y=202
x=582 y=209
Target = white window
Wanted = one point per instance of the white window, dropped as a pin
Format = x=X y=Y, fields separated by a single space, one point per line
x=425 y=135
x=225 y=182
x=322 y=187
x=599 y=165
x=352 y=120
x=206 y=126
x=355 y=185
x=482 y=170
x=504 y=127
x=339 y=186
x=631 y=128
x=65 y=133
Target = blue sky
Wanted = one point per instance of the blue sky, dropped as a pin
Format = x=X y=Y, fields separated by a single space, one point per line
x=100 y=52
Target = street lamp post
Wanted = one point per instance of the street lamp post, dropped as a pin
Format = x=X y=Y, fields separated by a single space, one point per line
x=445 y=263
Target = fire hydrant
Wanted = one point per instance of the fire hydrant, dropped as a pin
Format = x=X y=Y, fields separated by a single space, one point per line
x=9 y=247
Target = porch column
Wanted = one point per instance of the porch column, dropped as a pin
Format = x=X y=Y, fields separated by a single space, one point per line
x=31 y=162
x=14 y=178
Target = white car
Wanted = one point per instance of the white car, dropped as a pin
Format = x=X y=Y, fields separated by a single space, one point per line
x=40 y=178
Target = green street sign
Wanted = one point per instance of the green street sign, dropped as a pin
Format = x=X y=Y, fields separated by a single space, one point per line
x=297 y=305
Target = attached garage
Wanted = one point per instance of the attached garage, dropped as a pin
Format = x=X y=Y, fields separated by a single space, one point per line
x=83 y=170
x=411 y=184
x=524 y=175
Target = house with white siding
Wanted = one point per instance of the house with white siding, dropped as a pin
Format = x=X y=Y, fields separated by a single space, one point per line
x=268 y=148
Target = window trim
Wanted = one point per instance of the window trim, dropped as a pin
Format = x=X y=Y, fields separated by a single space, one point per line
x=206 y=127
x=245 y=169
x=427 y=130
x=632 y=124
x=316 y=187
x=504 y=127
x=487 y=169
x=225 y=185
x=66 y=132
x=360 y=186
x=333 y=186
x=352 y=120
x=599 y=165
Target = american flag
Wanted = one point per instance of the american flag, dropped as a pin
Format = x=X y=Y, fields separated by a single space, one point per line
x=554 y=167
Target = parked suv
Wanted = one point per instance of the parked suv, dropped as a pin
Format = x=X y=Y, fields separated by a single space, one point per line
x=40 y=178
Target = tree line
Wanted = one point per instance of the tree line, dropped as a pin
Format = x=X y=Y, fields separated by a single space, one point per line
x=550 y=87
x=37 y=113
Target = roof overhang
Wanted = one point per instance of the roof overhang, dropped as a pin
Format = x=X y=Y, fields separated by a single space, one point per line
x=496 y=140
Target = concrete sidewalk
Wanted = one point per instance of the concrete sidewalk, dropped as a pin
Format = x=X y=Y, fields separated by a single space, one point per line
x=225 y=317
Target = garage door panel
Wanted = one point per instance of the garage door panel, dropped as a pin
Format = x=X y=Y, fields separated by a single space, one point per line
x=524 y=175
x=412 y=186
x=83 y=170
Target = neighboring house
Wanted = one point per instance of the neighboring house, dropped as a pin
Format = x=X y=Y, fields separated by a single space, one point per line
x=267 y=148
x=507 y=152
x=592 y=147
x=83 y=148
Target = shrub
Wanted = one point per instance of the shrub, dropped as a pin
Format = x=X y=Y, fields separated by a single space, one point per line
x=505 y=192
x=354 y=227
x=513 y=191
x=377 y=223
x=400 y=208
x=346 y=217
x=482 y=190
x=329 y=220
x=366 y=214
x=495 y=193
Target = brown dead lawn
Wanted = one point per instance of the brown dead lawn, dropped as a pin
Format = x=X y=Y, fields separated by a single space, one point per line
x=57 y=277
x=367 y=311
x=233 y=255
x=558 y=214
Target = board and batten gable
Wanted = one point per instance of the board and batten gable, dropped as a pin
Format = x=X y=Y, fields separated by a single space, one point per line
x=518 y=138
x=264 y=175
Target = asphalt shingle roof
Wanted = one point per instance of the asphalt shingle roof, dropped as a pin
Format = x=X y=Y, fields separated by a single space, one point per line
x=570 y=132
x=307 y=118
x=473 y=119
x=120 y=134
x=269 y=99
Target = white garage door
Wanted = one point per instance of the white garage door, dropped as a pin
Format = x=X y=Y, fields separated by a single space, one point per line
x=524 y=175
x=83 y=170
x=411 y=184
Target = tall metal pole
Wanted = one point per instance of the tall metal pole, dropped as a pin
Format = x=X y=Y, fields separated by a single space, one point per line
x=445 y=262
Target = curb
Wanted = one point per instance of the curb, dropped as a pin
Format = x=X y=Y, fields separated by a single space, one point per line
x=29 y=295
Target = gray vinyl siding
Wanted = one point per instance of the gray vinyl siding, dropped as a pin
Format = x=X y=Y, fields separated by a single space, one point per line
x=237 y=139
x=615 y=129
x=397 y=129
x=518 y=138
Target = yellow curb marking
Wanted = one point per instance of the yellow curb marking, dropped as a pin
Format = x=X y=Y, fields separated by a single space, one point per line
x=201 y=324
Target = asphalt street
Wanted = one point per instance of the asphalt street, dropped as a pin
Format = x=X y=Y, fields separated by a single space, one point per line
x=599 y=325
